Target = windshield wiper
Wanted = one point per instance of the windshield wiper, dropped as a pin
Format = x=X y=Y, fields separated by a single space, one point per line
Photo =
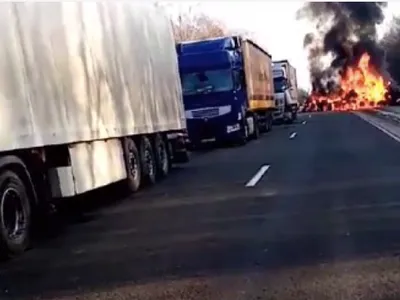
x=205 y=89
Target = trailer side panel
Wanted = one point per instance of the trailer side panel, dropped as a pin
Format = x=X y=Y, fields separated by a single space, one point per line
x=83 y=71
x=259 y=79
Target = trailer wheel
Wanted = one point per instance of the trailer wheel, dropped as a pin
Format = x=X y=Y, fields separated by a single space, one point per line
x=15 y=215
x=148 y=161
x=133 y=165
x=162 y=156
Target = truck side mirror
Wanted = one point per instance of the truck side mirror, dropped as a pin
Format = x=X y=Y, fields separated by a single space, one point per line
x=242 y=78
x=237 y=80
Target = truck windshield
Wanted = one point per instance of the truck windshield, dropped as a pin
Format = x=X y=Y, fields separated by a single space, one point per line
x=279 y=84
x=207 y=82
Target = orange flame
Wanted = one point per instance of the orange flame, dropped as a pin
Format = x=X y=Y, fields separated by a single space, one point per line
x=361 y=86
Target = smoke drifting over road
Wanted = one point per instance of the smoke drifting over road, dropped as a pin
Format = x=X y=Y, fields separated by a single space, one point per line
x=344 y=32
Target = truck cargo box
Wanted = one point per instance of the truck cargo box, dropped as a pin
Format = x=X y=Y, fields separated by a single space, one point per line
x=80 y=71
x=259 y=78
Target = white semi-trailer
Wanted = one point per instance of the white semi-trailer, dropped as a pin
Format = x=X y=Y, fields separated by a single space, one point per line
x=89 y=95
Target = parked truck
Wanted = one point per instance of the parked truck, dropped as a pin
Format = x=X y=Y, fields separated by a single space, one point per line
x=286 y=91
x=90 y=95
x=227 y=89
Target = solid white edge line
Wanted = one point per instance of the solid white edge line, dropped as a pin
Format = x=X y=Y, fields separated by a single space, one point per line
x=378 y=126
x=256 y=178
x=293 y=135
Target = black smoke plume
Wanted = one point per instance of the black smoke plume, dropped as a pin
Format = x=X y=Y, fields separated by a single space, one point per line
x=344 y=30
x=391 y=44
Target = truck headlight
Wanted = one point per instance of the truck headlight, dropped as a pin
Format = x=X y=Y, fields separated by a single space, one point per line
x=232 y=128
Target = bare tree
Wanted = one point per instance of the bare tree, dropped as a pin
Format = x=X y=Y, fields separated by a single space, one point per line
x=192 y=24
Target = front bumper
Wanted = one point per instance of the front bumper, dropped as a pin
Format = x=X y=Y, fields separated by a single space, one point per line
x=211 y=130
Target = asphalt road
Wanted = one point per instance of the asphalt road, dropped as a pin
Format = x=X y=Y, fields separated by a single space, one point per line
x=322 y=222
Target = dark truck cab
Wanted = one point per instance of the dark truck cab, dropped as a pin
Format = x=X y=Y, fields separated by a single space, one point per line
x=215 y=92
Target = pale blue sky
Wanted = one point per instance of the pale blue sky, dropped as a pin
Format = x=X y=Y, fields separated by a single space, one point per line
x=273 y=24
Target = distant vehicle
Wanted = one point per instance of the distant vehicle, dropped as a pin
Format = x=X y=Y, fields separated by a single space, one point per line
x=227 y=89
x=393 y=95
x=286 y=91
x=83 y=104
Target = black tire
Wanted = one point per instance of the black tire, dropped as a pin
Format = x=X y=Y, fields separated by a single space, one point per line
x=148 y=162
x=183 y=157
x=162 y=156
x=290 y=120
x=15 y=215
x=133 y=165
x=268 y=123
x=243 y=134
x=256 y=133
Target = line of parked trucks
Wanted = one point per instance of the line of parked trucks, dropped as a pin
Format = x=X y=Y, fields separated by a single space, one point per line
x=93 y=93
x=232 y=90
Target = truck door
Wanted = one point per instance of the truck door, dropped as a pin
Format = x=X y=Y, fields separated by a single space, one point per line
x=288 y=97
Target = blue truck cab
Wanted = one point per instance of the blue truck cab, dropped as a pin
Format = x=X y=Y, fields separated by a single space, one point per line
x=214 y=90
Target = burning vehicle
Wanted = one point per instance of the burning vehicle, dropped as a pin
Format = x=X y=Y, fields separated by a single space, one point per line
x=347 y=65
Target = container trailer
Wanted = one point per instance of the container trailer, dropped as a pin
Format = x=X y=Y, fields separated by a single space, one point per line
x=90 y=95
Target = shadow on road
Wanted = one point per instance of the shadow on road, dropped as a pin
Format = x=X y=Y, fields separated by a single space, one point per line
x=203 y=239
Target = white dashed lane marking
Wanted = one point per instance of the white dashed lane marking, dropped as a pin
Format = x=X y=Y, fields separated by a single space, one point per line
x=257 y=177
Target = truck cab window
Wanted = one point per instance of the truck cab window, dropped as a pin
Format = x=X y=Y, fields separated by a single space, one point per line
x=202 y=77
x=280 y=84
x=207 y=82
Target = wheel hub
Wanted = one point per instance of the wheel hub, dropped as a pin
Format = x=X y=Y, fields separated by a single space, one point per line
x=133 y=163
x=12 y=213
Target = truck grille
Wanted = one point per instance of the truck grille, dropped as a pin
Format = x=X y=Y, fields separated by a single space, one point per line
x=206 y=113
